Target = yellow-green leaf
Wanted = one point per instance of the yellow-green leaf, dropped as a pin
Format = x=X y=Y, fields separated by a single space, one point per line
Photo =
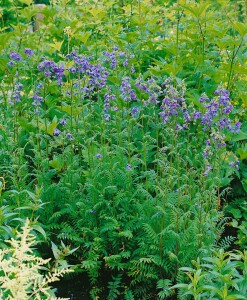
x=27 y=2
x=56 y=45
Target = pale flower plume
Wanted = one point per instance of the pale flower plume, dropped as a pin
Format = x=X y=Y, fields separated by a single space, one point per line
x=20 y=270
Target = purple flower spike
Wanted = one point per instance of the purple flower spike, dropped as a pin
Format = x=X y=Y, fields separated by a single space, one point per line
x=178 y=127
x=127 y=93
x=226 y=110
x=122 y=54
x=98 y=155
x=204 y=99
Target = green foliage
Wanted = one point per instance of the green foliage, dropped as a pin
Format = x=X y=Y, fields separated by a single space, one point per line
x=237 y=210
x=236 y=198
x=131 y=194
x=222 y=276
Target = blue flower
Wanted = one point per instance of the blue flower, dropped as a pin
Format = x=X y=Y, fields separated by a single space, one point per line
x=28 y=51
x=11 y=63
x=127 y=93
x=107 y=117
x=128 y=167
x=69 y=136
x=56 y=132
x=236 y=127
x=208 y=168
x=63 y=122
x=125 y=63
x=134 y=112
x=15 y=56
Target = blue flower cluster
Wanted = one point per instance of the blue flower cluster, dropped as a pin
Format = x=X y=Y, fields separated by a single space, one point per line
x=57 y=132
x=151 y=88
x=37 y=98
x=127 y=93
x=167 y=98
x=17 y=93
x=52 y=70
x=108 y=97
x=16 y=57
x=174 y=105
x=216 y=111
x=92 y=76
x=116 y=57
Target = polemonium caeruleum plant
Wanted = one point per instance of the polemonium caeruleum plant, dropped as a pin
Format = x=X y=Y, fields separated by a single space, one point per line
x=132 y=170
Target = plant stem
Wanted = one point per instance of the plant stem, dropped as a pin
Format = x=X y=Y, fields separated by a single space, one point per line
x=232 y=62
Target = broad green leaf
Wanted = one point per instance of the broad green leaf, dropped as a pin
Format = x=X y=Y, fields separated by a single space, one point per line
x=241 y=28
x=27 y=2
x=23 y=122
x=236 y=213
x=57 y=163
x=180 y=286
x=72 y=111
x=241 y=136
x=242 y=152
x=83 y=36
x=56 y=45
x=54 y=250
x=39 y=229
x=197 y=10
x=52 y=126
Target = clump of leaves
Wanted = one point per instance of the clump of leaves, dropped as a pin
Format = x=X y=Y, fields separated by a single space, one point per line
x=222 y=276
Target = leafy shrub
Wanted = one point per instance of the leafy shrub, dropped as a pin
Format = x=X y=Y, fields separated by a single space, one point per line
x=222 y=276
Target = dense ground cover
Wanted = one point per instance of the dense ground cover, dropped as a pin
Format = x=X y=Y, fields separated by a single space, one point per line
x=122 y=131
